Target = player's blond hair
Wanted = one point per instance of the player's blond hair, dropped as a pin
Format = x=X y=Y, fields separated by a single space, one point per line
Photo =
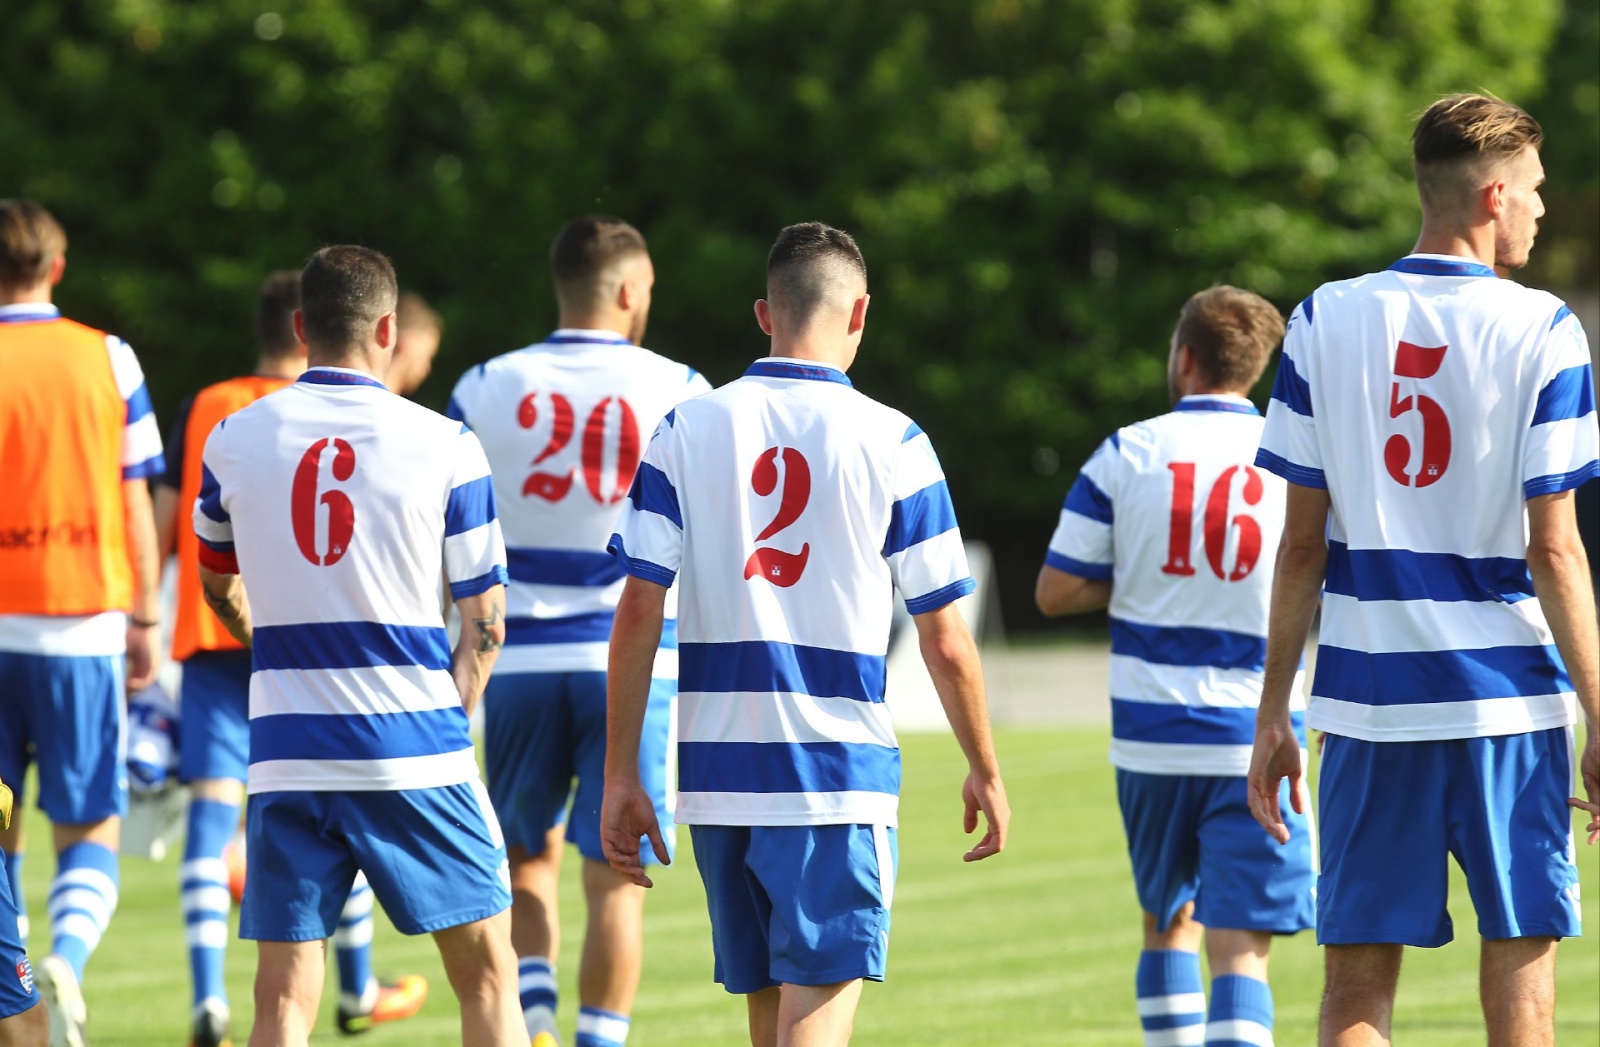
x=1231 y=334
x=1460 y=139
x=30 y=242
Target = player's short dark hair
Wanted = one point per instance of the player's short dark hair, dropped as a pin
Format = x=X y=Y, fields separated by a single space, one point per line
x=414 y=314
x=1231 y=334
x=275 y=306
x=344 y=291
x=30 y=242
x=807 y=262
x=1458 y=134
x=585 y=250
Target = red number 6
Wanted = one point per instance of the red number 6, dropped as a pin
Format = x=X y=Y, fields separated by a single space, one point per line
x=303 y=503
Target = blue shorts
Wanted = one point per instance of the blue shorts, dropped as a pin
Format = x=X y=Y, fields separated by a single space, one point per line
x=68 y=715
x=1193 y=838
x=17 y=993
x=215 y=705
x=1392 y=811
x=797 y=904
x=433 y=857
x=542 y=730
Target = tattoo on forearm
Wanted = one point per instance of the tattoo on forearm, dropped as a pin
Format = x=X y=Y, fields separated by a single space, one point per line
x=228 y=608
x=487 y=641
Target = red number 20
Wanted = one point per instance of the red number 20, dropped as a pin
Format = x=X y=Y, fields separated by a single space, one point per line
x=303 y=502
x=553 y=487
x=1180 y=538
x=776 y=566
x=1418 y=361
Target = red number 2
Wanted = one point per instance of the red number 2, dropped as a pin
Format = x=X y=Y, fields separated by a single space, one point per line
x=303 y=502
x=552 y=486
x=776 y=566
x=1180 y=535
x=1418 y=361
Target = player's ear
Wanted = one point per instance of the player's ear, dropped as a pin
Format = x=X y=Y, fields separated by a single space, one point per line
x=57 y=268
x=764 y=316
x=858 y=314
x=388 y=331
x=300 y=326
x=1494 y=197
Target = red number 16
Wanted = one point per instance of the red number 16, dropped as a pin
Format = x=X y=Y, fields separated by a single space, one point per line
x=1180 y=539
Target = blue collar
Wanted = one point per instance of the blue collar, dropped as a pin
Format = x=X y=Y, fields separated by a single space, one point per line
x=1216 y=402
x=338 y=376
x=1431 y=265
x=28 y=312
x=773 y=367
x=575 y=336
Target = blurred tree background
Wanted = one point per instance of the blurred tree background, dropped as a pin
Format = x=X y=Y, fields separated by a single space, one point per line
x=1037 y=184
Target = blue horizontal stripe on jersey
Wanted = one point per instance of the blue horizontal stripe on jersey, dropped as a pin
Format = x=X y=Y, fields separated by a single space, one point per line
x=580 y=567
x=917 y=517
x=216 y=547
x=1291 y=389
x=1133 y=721
x=1399 y=574
x=1188 y=645
x=210 y=499
x=139 y=403
x=653 y=493
x=1430 y=677
x=471 y=505
x=795 y=369
x=1441 y=267
x=1303 y=475
x=1095 y=572
x=358 y=736
x=1555 y=483
x=152 y=466
x=766 y=666
x=577 y=628
x=945 y=594
x=1561 y=314
x=1570 y=394
x=484 y=582
x=787 y=767
x=348 y=645
x=1086 y=498
x=650 y=572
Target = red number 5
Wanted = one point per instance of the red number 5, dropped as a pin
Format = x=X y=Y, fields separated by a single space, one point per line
x=303 y=502
x=1418 y=361
x=776 y=566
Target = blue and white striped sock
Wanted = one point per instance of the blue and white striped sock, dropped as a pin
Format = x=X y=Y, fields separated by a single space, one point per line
x=82 y=898
x=14 y=874
x=203 y=879
x=352 y=941
x=598 y=1028
x=1172 y=998
x=536 y=985
x=1241 y=1012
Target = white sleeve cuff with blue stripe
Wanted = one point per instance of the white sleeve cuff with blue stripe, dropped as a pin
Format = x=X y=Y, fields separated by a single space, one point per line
x=474 y=550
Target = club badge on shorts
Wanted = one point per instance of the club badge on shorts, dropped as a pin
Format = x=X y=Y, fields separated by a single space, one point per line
x=25 y=975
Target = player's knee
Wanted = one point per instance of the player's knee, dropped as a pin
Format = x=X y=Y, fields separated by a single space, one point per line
x=478 y=958
x=31 y=1028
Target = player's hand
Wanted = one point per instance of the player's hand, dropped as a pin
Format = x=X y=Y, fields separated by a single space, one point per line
x=1276 y=756
x=626 y=814
x=1589 y=770
x=144 y=655
x=986 y=794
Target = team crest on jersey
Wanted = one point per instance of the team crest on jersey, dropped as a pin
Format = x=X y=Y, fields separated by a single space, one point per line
x=25 y=975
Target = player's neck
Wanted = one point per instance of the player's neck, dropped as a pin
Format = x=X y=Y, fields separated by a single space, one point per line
x=613 y=323
x=39 y=294
x=290 y=367
x=813 y=350
x=1476 y=243
x=350 y=360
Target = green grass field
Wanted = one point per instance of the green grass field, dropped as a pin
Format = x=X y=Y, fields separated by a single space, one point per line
x=1036 y=946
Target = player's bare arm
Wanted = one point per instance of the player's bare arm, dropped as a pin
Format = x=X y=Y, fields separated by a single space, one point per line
x=1296 y=588
x=483 y=633
x=144 y=623
x=1560 y=570
x=166 y=513
x=1059 y=592
x=227 y=599
x=627 y=812
x=952 y=660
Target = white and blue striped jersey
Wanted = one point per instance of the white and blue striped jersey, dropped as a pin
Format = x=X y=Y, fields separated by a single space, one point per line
x=1172 y=512
x=564 y=422
x=1431 y=400
x=791 y=507
x=342 y=505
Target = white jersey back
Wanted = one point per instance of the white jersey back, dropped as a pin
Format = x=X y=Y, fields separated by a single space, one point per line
x=791 y=506
x=1431 y=400
x=342 y=505
x=1174 y=514
x=564 y=422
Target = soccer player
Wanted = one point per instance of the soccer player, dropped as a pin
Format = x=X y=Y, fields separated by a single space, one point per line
x=341 y=504
x=577 y=406
x=215 y=740
x=1171 y=525
x=793 y=507
x=1432 y=421
x=24 y=1020
x=420 y=331
x=79 y=577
